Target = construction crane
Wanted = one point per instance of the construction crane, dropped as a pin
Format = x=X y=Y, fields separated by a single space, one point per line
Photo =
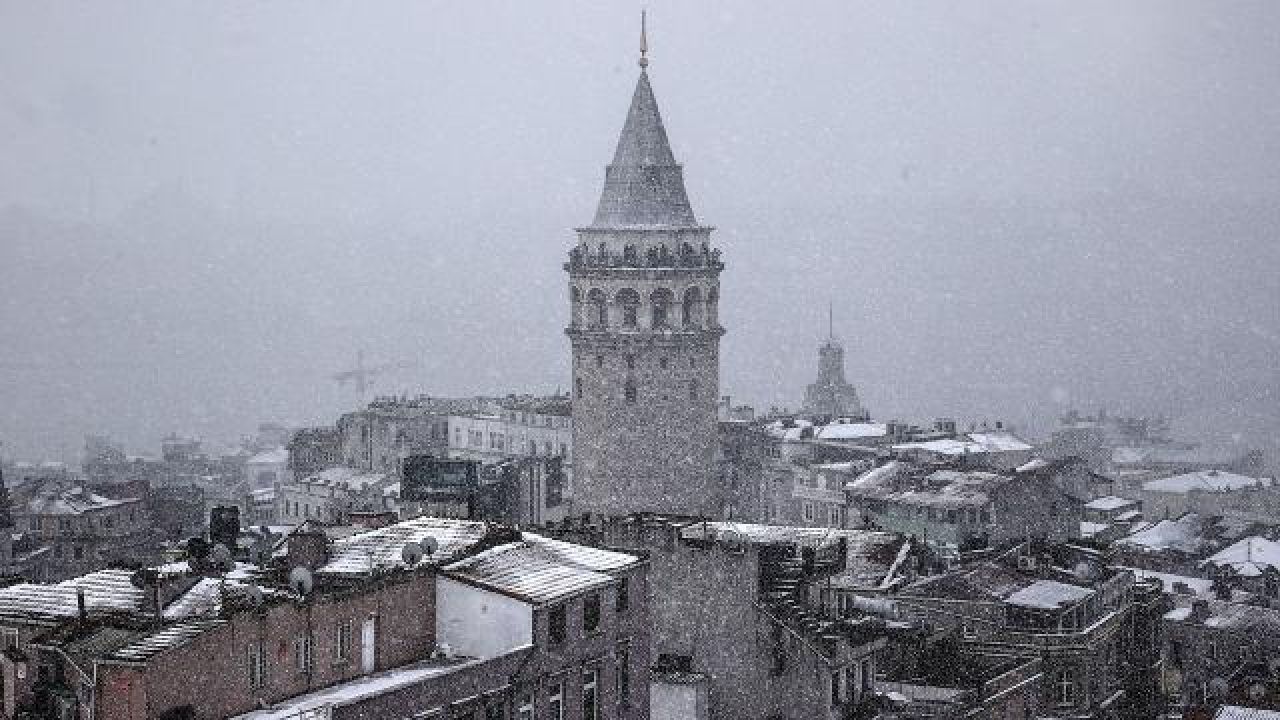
x=361 y=377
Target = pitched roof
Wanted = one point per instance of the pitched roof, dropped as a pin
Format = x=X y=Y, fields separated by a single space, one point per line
x=1249 y=557
x=1235 y=712
x=383 y=547
x=541 y=570
x=643 y=185
x=1205 y=480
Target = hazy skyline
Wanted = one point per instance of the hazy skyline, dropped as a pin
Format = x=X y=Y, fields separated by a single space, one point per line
x=206 y=210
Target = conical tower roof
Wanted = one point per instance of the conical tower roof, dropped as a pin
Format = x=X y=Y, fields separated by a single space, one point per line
x=644 y=186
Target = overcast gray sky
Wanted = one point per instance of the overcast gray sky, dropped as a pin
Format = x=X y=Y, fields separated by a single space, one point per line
x=206 y=209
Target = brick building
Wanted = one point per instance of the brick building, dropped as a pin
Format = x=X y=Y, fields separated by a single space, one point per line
x=488 y=620
x=86 y=531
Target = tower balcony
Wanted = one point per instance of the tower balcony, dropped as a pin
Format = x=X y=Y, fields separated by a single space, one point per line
x=580 y=258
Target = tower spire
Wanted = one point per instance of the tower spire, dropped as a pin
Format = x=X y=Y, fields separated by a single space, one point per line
x=644 y=42
x=831 y=322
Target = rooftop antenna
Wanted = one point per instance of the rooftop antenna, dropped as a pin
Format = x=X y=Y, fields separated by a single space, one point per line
x=644 y=42
x=831 y=322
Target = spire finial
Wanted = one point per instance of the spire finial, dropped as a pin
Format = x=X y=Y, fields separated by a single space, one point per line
x=644 y=42
x=831 y=322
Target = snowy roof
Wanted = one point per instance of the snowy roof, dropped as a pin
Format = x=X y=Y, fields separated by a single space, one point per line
x=541 y=570
x=942 y=488
x=1235 y=712
x=274 y=456
x=167 y=638
x=1090 y=529
x=1198 y=586
x=852 y=431
x=1184 y=534
x=1129 y=516
x=1245 y=619
x=1248 y=557
x=1206 y=480
x=72 y=502
x=975 y=443
x=346 y=477
x=103 y=590
x=1110 y=502
x=1048 y=595
x=756 y=534
x=382 y=547
x=316 y=705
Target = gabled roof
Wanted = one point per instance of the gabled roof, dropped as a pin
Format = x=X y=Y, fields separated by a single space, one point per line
x=540 y=571
x=1205 y=480
x=643 y=185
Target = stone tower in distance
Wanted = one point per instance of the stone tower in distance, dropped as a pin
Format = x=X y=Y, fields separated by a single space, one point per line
x=643 y=290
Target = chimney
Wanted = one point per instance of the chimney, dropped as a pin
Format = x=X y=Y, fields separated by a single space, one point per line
x=307 y=548
x=81 y=611
x=1199 y=610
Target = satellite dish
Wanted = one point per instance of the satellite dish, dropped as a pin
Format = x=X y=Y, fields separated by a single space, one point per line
x=1257 y=691
x=255 y=594
x=220 y=557
x=1085 y=571
x=1218 y=687
x=429 y=545
x=412 y=554
x=301 y=581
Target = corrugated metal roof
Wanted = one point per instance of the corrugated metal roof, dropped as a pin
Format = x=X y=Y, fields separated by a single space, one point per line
x=148 y=646
x=769 y=534
x=382 y=547
x=542 y=570
x=103 y=590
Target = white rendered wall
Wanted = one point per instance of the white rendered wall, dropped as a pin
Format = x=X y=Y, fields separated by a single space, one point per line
x=479 y=623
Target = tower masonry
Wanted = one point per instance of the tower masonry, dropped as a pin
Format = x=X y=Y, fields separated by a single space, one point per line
x=645 y=332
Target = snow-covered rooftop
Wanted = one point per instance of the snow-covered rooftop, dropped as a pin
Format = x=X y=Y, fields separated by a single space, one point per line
x=1048 y=595
x=1235 y=712
x=383 y=547
x=1110 y=502
x=851 y=431
x=171 y=636
x=316 y=705
x=1249 y=556
x=72 y=502
x=1205 y=480
x=541 y=570
x=1183 y=534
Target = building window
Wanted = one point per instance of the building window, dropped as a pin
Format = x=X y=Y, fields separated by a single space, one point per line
x=8 y=638
x=555 y=702
x=808 y=512
x=835 y=688
x=590 y=706
x=629 y=301
x=660 y=299
x=591 y=612
x=693 y=389
x=599 y=361
x=629 y=392
x=257 y=665
x=622 y=674
x=622 y=600
x=663 y=362
x=578 y=386
x=302 y=653
x=868 y=675
x=1064 y=687
x=343 y=644
x=556 y=625
x=631 y=362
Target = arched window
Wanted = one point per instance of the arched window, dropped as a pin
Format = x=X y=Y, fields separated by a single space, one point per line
x=686 y=254
x=598 y=309
x=629 y=392
x=575 y=306
x=691 y=308
x=604 y=254
x=629 y=256
x=713 y=308
x=628 y=302
x=660 y=300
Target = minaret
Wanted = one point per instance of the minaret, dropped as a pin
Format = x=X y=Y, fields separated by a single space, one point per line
x=644 y=326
